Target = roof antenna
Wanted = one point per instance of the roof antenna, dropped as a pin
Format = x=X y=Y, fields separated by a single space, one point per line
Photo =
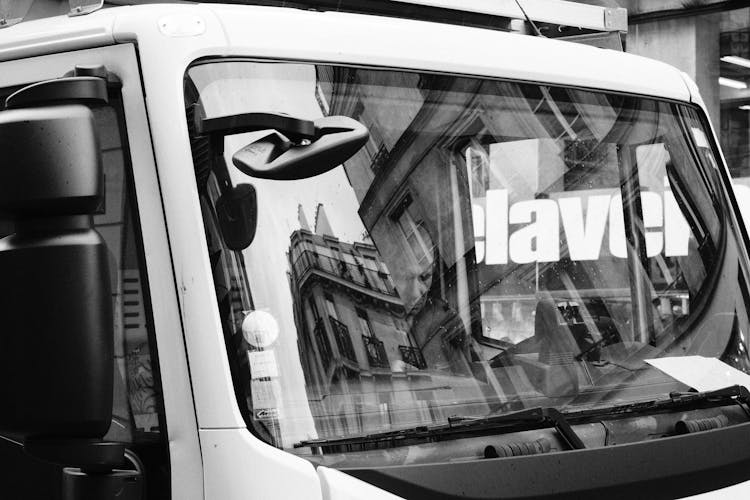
x=528 y=19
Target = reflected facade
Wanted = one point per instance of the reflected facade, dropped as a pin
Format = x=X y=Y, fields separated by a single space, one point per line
x=356 y=350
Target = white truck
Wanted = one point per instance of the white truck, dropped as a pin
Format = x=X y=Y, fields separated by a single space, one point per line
x=307 y=250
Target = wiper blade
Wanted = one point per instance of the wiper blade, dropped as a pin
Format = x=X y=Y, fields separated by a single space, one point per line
x=457 y=427
x=734 y=393
x=539 y=416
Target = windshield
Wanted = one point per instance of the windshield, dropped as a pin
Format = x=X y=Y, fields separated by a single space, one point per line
x=494 y=246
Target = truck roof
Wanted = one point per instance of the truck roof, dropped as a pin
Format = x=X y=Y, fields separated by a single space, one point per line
x=175 y=30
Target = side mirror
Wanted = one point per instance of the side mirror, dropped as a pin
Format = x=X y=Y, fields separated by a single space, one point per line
x=56 y=344
x=57 y=340
x=275 y=156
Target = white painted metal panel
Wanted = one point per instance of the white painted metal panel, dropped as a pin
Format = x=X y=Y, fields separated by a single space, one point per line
x=398 y=43
x=240 y=467
x=337 y=485
x=55 y=34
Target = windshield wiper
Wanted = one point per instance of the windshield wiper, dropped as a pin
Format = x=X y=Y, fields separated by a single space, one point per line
x=457 y=427
x=719 y=397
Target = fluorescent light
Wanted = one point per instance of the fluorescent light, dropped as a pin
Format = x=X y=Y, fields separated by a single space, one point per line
x=745 y=107
x=739 y=61
x=735 y=84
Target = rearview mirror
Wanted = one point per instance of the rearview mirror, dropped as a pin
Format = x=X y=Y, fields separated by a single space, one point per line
x=274 y=156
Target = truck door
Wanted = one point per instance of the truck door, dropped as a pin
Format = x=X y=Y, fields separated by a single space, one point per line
x=153 y=411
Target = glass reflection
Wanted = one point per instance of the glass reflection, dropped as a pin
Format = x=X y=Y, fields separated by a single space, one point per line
x=494 y=246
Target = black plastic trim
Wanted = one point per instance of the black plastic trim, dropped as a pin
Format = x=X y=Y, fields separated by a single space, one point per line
x=665 y=468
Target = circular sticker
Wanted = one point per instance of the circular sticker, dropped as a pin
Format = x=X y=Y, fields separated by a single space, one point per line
x=260 y=329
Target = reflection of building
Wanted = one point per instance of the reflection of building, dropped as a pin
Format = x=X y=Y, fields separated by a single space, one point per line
x=404 y=186
x=359 y=360
x=424 y=201
x=449 y=146
x=413 y=185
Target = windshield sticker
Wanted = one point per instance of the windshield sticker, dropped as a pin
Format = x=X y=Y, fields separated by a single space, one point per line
x=529 y=230
x=267 y=414
x=265 y=393
x=262 y=364
x=701 y=373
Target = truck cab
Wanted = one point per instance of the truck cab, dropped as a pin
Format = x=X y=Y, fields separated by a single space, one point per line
x=351 y=255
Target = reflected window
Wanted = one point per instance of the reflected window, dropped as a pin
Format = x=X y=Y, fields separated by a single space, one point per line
x=416 y=234
x=331 y=307
x=364 y=323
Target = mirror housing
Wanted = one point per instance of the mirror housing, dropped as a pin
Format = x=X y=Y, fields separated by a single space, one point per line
x=56 y=344
x=275 y=156
x=237 y=212
x=284 y=148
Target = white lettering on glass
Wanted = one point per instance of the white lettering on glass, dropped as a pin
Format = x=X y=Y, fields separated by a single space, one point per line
x=529 y=231
x=617 y=246
x=539 y=239
x=496 y=235
x=584 y=240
